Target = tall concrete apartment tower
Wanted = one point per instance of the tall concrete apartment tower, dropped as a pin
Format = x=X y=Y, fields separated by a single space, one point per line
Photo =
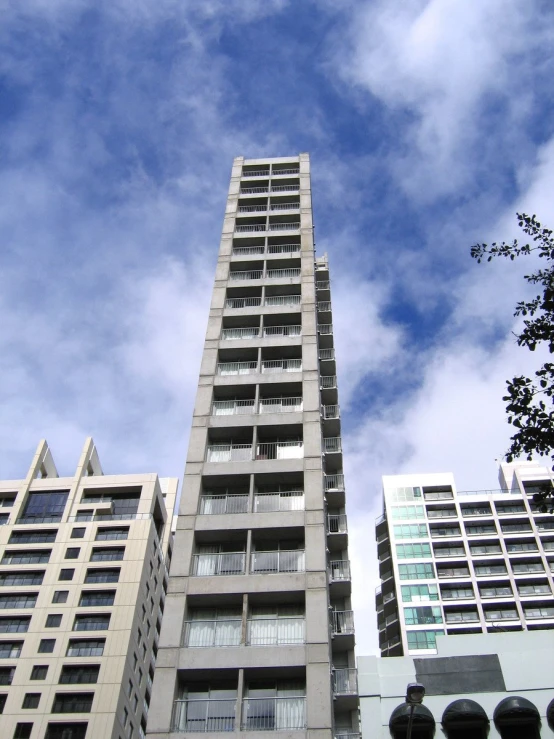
x=463 y=562
x=258 y=632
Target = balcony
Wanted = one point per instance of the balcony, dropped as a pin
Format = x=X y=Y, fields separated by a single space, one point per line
x=275 y=172
x=249 y=274
x=283 y=500
x=324 y=306
x=237 y=368
x=270 y=332
x=326 y=354
x=260 y=190
x=329 y=412
x=282 y=274
x=345 y=681
x=229 y=452
x=268 y=563
x=280 y=405
x=232 y=452
x=332 y=445
x=337 y=523
x=250 y=228
x=256 y=173
x=339 y=570
x=342 y=622
x=323 y=285
x=212 y=633
x=282 y=300
x=283 y=248
x=325 y=328
x=222 y=504
x=252 y=208
x=237 y=303
x=285 y=206
x=285 y=188
x=334 y=482
x=274 y=714
x=248 y=251
x=274 y=366
x=328 y=382
x=233 y=407
x=280 y=450
x=274 y=632
x=204 y=716
x=223 y=563
x=247 y=332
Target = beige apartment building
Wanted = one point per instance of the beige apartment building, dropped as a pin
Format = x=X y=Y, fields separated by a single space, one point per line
x=258 y=633
x=83 y=577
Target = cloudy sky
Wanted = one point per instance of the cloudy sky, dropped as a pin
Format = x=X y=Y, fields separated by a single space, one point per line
x=429 y=124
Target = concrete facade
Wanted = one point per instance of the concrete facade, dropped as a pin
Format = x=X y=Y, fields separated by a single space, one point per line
x=463 y=562
x=258 y=632
x=82 y=588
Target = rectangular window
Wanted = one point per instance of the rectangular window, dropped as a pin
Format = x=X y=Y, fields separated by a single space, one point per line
x=60 y=596
x=87 y=622
x=107 y=554
x=79 y=674
x=66 y=730
x=23 y=730
x=407 y=512
x=124 y=503
x=44 y=507
x=14 y=624
x=28 y=557
x=31 y=700
x=72 y=552
x=112 y=533
x=413 y=551
x=423 y=615
x=411 y=531
x=424 y=571
x=399 y=495
x=97 y=598
x=39 y=672
x=3 y=702
x=53 y=620
x=66 y=574
x=423 y=639
x=78 y=532
x=85 y=647
x=46 y=646
x=21 y=578
x=457 y=593
x=6 y=675
x=72 y=703
x=10 y=649
x=19 y=600
x=102 y=575
x=33 y=537
x=416 y=593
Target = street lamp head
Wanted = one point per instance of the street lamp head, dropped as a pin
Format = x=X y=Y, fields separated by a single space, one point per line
x=415 y=692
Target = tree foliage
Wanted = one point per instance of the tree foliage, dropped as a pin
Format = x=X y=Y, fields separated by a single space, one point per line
x=530 y=402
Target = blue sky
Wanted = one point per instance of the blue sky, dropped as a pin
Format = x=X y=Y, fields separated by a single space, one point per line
x=429 y=124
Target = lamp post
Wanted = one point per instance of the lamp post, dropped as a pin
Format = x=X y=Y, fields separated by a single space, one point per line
x=415 y=692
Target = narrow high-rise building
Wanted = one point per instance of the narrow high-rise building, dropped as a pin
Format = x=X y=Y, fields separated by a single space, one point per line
x=258 y=633
x=463 y=562
x=83 y=575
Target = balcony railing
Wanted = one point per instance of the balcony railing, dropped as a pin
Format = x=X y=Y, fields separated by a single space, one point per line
x=284 y=206
x=324 y=306
x=274 y=562
x=283 y=248
x=275 y=631
x=284 y=500
x=337 y=523
x=270 y=366
x=328 y=382
x=281 y=300
x=290 y=170
x=233 y=407
x=243 y=302
x=250 y=228
x=204 y=715
x=232 y=452
x=280 y=450
x=284 y=226
x=212 y=633
x=284 y=188
x=290 y=330
x=326 y=354
x=345 y=681
x=237 y=368
x=334 y=482
x=339 y=570
x=252 y=208
x=280 y=405
x=332 y=445
x=322 y=284
x=249 y=274
x=253 y=190
x=325 y=328
x=249 y=332
x=229 y=453
x=280 y=274
x=273 y=714
x=239 y=251
x=330 y=411
x=342 y=622
x=223 y=563
x=256 y=173
x=219 y=504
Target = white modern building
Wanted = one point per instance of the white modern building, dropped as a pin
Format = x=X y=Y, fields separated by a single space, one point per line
x=83 y=576
x=463 y=562
x=258 y=632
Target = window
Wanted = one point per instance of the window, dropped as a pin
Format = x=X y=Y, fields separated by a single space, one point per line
x=79 y=674
x=8 y=501
x=143 y=609
x=66 y=574
x=148 y=627
x=66 y=730
x=97 y=598
x=107 y=554
x=411 y=531
x=130 y=688
x=6 y=675
x=78 y=532
x=72 y=552
x=23 y=730
x=453 y=551
x=539 y=612
x=424 y=571
x=407 y=512
x=85 y=647
x=28 y=557
x=416 y=593
x=399 y=495
x=44 y=507
x=140 y=677
x=124 y=503
x=33 y=537
x=483 y=529
x=483 y=570
x=437 y=531
x=271 y=705
x=21 y=578
x=53 y=620
x=86 y=622
x=457 y=593
x=501 y=614
x=477 y=549
x=31 y=700
x=135 y=703
x=524 y=568
x=39 y=672
x=113 y=533
x=2 y=702
x=505 y=508
x=72 y=703
x=413 y=551
x=455 y=617
x=139 y=637
x=19 y=600
x=526 y=546
x=46 y=646
x=423 y=615
x=423 y=639
x=60 y=596
x=135 y=661
x=125 y=720
x=102 y=575
x=10 y=649
x=499 y=591
x=534 y=589
x=14 y=624
x=4 y=518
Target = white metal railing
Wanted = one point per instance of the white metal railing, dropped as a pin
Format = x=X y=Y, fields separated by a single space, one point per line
x=337 y=523
x=285 y=188
x=273 y=714
x=253 y=190
x=251 y=274
x=229 y=452
x=322 y=284
x=326 y=354
x=342 y=622
x=290 y=330
x=212 y=633
x=243 y=302
x=283 y=500
x=248 y=250
x=284 y=206
x=332 y=444
x=328 y=382
x=334 y=482
x=324 y=306
x=330 y=411
x=280 y=450
x=270 y=366
x=279 y=274
x=284 y=226
x=252 y=208
x=339 y=734
x=222 y=563
x=281 y=561
x=233 y=407
x=325 y=328
x=216 y=504
x=275 y=631
x=204 y=715
x=292 y=170
x=282 y=300
x=283 y=248
x=257 y=173
x=248 y=332
x=250 y=228
x=237 y=368
x=345 y=681
x=280 y=405
x=339 y=569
